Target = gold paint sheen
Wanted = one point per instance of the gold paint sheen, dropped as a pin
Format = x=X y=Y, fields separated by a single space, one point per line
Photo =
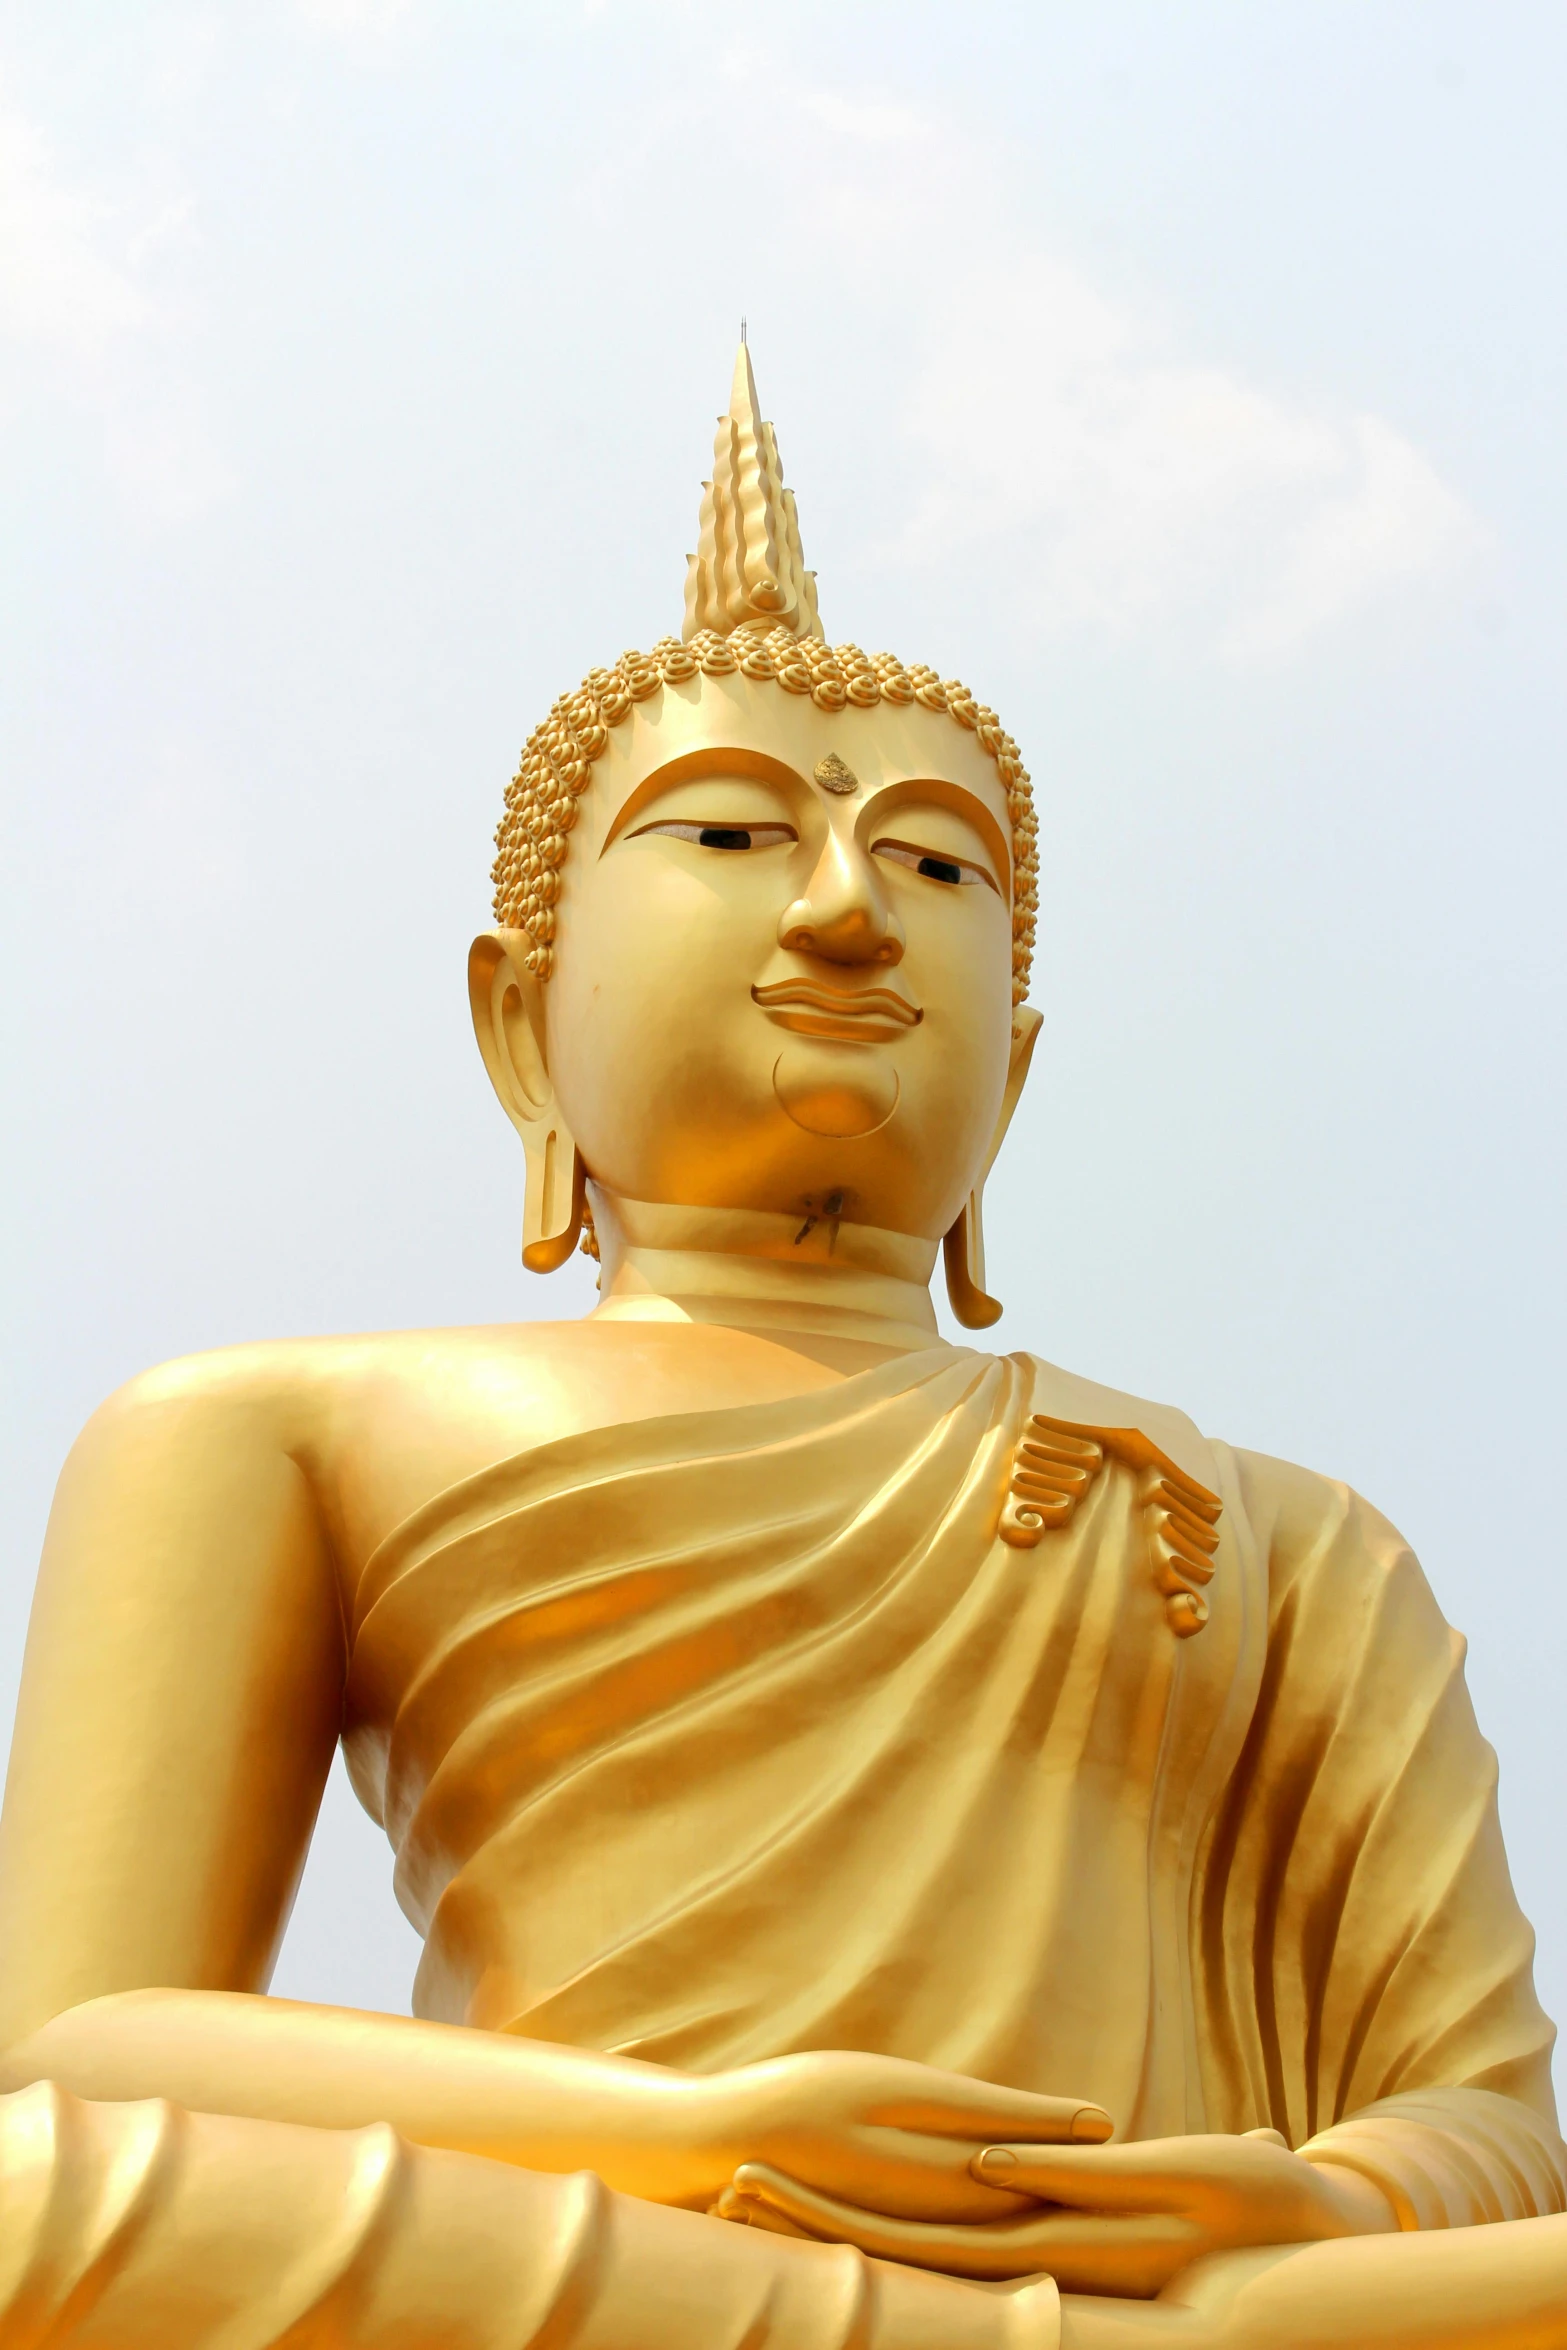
x=803 y=1767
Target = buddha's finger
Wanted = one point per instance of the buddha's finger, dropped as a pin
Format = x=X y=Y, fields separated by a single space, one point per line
x=992 y=2252
x=1134 y=2178
x=1084 y=2252
x=752 y=2211
x=976 y=2109
x=913 y=2173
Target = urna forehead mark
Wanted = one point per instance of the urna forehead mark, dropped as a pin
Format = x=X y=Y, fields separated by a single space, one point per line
x=898 y=757
x=753 y=630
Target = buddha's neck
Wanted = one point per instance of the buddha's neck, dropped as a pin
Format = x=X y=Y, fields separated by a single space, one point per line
x=777 y=1275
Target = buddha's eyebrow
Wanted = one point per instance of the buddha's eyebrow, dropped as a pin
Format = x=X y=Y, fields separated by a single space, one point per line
x=727 y=759
x=939 y=791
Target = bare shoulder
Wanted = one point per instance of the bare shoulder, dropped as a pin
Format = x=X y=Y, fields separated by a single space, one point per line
x=328 y=1402
x=381 y=1423
x=301 y=1387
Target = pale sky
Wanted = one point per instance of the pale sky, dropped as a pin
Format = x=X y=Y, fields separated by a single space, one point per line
x=1191 y=381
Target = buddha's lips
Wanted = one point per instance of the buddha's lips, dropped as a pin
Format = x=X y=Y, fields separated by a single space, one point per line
x=859 y=1015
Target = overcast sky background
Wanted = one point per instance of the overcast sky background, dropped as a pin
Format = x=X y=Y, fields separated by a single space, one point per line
x=1191 y=381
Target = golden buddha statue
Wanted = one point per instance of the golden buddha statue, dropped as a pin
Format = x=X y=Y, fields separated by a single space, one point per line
x=1034 y=1865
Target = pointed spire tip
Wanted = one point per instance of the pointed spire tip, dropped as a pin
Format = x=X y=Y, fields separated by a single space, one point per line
x=748 y=570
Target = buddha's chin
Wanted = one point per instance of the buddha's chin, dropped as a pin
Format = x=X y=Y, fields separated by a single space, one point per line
x=843 y=1091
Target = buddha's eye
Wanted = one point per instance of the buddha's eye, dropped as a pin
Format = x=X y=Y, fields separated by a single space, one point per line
x=724 y=836
x=935 y=864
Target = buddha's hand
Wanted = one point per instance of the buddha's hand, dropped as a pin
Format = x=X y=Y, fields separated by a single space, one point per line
x=1117 y=2219
x=882 y=2133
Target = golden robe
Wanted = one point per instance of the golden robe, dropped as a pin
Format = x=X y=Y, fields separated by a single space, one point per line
x=707 y=1738
x=805 y=1725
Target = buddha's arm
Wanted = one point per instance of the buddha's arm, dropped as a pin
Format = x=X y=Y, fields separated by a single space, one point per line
x=648 y=2131
x=143 y=2224
x=899 y=2135
x=180 y=1698
x=179 y=1709
x=155 y=2229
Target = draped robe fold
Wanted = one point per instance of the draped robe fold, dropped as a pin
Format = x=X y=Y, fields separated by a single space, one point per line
x=713 y=1737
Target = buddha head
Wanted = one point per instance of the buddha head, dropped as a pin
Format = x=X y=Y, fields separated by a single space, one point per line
x=765 y=909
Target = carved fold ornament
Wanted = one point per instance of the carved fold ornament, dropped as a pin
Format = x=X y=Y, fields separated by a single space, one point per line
x=1056 y=1461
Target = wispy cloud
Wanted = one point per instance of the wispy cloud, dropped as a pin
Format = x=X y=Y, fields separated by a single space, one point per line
x=1078 y=443
x=858 y=117
x=60 y=288
x=1125 y=484
x=86 y=316
x=375 y=17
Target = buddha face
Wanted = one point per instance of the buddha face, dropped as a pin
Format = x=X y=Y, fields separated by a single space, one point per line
x=783 y=959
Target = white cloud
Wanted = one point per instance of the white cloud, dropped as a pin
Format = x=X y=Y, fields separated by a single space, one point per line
x=353 y=16
x=1074 y=448
x=1070 y=446
x=861 y=118
x=1375 y=515
x=85 y=316
x=59 y=288
x=1128 y=487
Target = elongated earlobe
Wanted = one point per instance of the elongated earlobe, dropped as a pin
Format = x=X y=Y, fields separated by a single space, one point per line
x=963 y=1252
x=507 y=1001
x=554 y=1195
x=963 y=1247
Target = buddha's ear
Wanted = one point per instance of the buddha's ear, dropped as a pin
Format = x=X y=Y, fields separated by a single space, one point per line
x=964 y=1246
x=1026 y=1024
x=507 y=1001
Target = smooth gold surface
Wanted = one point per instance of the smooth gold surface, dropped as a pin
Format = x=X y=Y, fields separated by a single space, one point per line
x=1034 y=1865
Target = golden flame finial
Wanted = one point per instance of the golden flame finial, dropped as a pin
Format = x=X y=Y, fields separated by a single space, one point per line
x=748 y=570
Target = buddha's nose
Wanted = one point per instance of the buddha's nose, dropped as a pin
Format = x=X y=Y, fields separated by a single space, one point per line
x=843 y=915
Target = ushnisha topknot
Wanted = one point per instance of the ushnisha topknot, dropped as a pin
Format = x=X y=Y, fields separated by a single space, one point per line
x=750 y=611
